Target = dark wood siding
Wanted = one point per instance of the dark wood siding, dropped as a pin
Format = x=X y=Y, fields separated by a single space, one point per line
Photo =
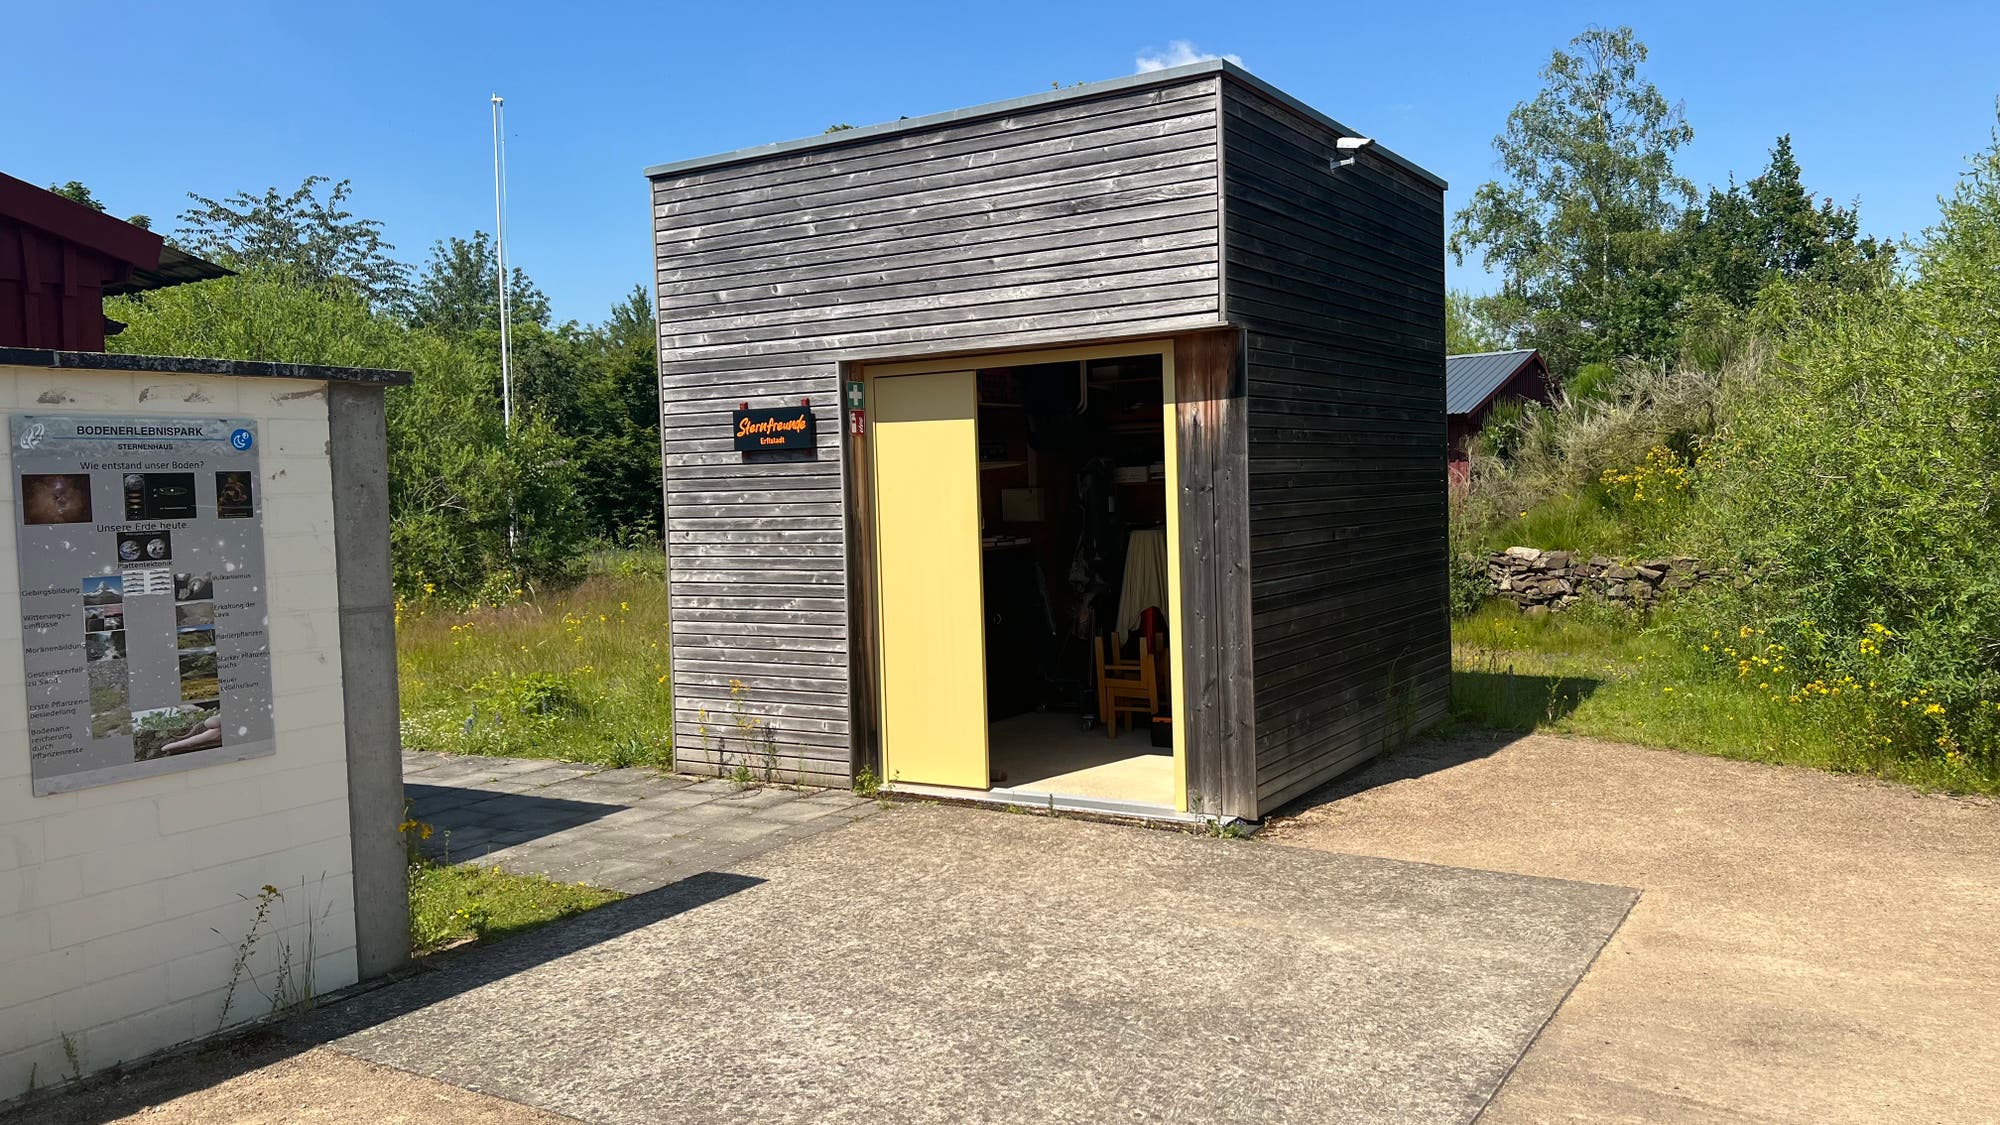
x=1337 y=277
x=1080 y=219
x=1218 y=730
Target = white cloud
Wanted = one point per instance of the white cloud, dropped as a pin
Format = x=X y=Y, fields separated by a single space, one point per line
x=1180 y=52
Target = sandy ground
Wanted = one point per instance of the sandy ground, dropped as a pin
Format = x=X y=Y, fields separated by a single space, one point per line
x=1807 y=947
x=267 y=1081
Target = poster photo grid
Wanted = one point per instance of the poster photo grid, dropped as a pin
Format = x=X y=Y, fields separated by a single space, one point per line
x=124 y=529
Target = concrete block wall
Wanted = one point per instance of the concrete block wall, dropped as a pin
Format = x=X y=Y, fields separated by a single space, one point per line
x=122 y=907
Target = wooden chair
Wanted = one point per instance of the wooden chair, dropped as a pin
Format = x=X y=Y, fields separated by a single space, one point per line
x=1126 y=687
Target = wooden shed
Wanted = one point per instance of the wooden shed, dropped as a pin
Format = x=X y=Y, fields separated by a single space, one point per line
x=1081 y=449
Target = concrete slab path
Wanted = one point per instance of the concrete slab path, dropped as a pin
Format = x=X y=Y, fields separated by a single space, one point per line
x=630 y=830
x=267 y=1080
x=940 y=964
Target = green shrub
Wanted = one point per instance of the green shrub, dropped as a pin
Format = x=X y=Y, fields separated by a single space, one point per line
x=1862 y=487
x=459 y=489
x=1500 y=434
x=1591 y=383
x=1469 y=583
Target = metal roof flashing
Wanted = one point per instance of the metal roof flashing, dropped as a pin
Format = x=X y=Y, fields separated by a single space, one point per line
x=1167 y=77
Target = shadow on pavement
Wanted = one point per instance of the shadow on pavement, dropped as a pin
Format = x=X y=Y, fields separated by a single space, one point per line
x=1418 y=759
x=470 y=823
x=123 y=1093
x=514 y=955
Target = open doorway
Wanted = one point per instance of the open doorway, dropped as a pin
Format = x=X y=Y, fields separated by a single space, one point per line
x=1074 y=545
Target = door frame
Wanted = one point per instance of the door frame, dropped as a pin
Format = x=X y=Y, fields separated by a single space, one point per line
x=863 y=541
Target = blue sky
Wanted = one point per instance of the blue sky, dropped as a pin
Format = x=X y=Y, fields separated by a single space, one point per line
x=146 y=102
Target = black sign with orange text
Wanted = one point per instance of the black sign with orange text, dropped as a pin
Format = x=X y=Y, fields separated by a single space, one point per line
x=780 y=427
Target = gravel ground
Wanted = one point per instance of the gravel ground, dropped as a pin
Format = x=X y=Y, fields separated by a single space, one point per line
x=1807 y=947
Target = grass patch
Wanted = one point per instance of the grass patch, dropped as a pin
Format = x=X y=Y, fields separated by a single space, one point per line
x=578 y=675
x=1599 y=671
x=450 y=903
x=1586 y=521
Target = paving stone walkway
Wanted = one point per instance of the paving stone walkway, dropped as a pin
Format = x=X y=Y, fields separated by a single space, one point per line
x=631 y=830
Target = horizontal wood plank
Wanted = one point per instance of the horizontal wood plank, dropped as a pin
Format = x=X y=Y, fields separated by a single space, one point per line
x=1083 y=219
x=1339 y=276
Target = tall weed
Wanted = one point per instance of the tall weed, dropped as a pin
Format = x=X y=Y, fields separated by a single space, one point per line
x=580 y=675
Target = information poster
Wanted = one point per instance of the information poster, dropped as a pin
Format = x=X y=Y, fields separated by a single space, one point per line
x=143 y=620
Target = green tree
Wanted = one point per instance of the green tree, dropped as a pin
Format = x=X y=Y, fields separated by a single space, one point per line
x=627 y=498
x=76 y=192
x=455 y=482
x=1581 y=227
x=1771 y=229
x=597 y=385
x=313 y=239
x=1464 y=331
x=318 y=286
x=600 y=385
x=457 y=292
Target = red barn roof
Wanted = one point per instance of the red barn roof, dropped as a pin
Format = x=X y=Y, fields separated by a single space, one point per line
x=59 y=259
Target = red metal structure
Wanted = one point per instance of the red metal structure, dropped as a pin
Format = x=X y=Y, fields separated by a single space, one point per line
x=60 y=259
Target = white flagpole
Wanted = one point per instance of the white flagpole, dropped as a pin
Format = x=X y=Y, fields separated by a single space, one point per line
x=500 y=261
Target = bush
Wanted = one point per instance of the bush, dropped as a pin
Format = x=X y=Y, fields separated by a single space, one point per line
x=1469 y=583
x=458 y=488
x=466 y=504
x=1861 y=484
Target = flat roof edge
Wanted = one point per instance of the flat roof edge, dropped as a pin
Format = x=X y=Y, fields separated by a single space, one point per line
x=1166 y=77
x=1304 y=110
x=188 y=365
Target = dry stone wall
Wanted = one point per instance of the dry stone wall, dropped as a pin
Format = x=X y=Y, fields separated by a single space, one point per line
x=1539 y=581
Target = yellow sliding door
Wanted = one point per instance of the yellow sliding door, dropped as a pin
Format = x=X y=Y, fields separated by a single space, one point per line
x=925 y=438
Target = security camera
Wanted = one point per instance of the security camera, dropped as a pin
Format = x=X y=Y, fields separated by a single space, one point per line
x=1349 y=148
